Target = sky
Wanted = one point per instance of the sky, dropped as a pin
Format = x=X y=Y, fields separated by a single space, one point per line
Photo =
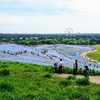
x=49 y=16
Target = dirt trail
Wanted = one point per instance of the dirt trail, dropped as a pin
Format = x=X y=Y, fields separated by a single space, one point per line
x=94 y=79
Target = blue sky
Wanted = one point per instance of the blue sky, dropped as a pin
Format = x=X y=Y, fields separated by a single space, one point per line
x=49 y=16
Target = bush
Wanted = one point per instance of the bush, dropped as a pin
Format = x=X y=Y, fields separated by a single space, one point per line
x=4 y=86
x=92 y=72
x=98 y=92
x=47 y=75
x=4 y=66
x=71 y=77
x=80 y=71
x=77 y=95
x=67 y=70
x=83 y=81
x=4 y=72
x=65 y=82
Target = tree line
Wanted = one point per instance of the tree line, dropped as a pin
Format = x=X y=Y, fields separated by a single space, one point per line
x=35 y=39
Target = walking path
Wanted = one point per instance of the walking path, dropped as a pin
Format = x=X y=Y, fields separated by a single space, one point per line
x=93 y=79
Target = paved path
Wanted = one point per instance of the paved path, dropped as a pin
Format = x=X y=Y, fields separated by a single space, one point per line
x=94 y=79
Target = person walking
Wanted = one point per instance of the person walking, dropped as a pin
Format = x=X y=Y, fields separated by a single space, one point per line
x=86 y=71
x=56 y=67
x=75 y=67
x=60 y=66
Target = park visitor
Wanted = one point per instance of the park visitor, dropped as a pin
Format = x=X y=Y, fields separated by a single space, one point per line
x=60 y=66
x=75 y=67
x=56 y=67
x=86 y=71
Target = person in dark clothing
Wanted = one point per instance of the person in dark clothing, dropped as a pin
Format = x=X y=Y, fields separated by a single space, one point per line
x=60 y=66
x=86 y=72
x=56 y=67
x=75 y=67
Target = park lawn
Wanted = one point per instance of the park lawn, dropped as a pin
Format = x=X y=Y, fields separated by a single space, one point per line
x=96 y=54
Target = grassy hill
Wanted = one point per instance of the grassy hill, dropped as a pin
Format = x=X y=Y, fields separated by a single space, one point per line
x=96 y=54
x=19 y=81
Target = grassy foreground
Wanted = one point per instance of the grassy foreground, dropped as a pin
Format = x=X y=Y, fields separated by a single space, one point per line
x=20 y=81
x=96 y=54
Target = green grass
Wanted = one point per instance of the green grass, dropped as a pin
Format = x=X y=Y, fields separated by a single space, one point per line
x=37 y=82
x=96 y=54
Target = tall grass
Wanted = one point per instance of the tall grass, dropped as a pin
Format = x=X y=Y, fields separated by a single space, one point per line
x=80 y=71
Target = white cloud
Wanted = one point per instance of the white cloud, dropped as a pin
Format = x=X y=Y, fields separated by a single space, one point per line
x=88 y=6
x=51 y=16
x=12 y=18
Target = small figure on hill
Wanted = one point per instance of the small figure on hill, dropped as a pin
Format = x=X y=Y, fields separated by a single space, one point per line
x=56 y=67
x=60 y=66
x=86 y=71
x=75 y=67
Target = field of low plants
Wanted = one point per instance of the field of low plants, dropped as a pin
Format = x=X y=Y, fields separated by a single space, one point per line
x=96 y=54
x=20 y=81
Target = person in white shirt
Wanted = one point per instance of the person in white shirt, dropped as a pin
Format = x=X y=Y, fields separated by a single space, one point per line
x=60 y=66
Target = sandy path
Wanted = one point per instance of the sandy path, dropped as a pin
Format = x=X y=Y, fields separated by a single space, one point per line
x=94 y=79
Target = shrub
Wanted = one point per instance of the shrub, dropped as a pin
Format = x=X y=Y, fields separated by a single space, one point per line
x=71 y=77
x=47 y=75
x=4 y=72
x=97 y=72
x=98 y=92
x=92 y=72
x=80 y=71
x=4 y=66
x=65 y=82
x=83 y=81
x=77 y=95
x=5 y=86
x=67 y=70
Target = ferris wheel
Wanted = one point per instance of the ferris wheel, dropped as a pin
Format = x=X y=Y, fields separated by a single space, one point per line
x=69 y=30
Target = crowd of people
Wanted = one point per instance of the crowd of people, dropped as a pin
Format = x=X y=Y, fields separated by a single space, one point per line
x=58 y=68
